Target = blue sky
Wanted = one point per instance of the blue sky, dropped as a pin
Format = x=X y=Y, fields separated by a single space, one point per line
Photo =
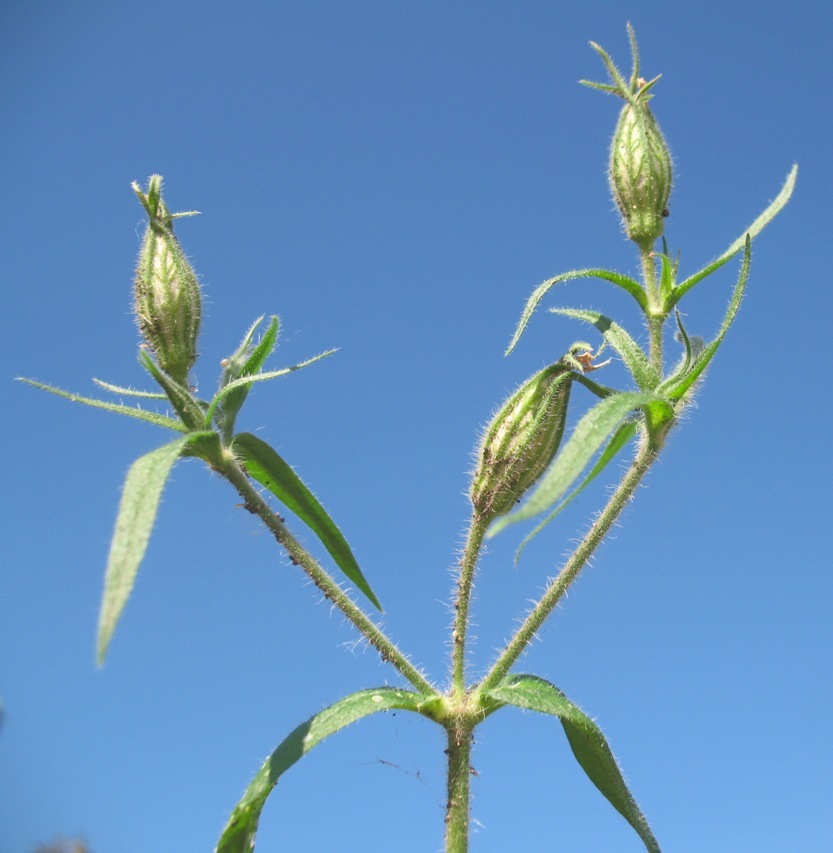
x=394 y=179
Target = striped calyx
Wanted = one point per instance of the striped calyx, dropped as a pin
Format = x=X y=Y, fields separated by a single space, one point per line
x=640 y=171
x=521 y=441
x=167 y=295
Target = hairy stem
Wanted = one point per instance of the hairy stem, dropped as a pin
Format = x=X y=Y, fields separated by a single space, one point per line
x=459 y=772
x=649 y=277
x=645 y=457
x=655 y=315
x=320 y=577
x=465 y=580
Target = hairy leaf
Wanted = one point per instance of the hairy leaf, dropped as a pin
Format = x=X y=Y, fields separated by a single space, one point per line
x=754 y=229
x=628 y=284
x=242 y=385
x=247 y=359
x=179 y=396
x=633 y=356
x=239 y=833
x=265 y=465
x=620 y=438
x=130 y=411
x=586 y=740
x=677 y=386
x=134 y=523
x=589 y=435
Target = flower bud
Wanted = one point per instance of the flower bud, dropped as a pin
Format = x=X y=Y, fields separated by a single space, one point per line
x=167 y=294
x=640 y=172
x=521 y=441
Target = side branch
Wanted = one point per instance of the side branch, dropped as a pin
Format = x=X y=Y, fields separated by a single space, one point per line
x=321 y=578
x=645 y=457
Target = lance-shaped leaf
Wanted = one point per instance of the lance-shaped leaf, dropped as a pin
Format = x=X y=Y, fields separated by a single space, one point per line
x=244 y=383
x=628 y=284
x=239 y=833
x=620 y=439
x=130 y=411
x=248 y=359
x=668 y=270
x=179 y=396
x=692 y=348
x=134 y=523
x=129 y=392
x=633 y=356
x=677 y=386
x=265 y=465
x=754 y=229
x=590 y=433
x=586 y=740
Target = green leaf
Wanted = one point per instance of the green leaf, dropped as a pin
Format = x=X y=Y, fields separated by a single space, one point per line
x=628 y=284
x=265 y=465
x=692 y=347
x=248 y=359
x=586 y=740
x=754 y=229
x=180 y=397
x=589 y=435
x=601 y=391
x=668 y=271
x=244 y=383
x=139 y=414
x=129 y=392
x=620 y=438
x=677 y=386
x=137 y=513
x=239 y=833
x=633 y=356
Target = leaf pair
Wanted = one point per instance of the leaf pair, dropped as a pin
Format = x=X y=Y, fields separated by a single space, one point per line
x=147 y=476
x=673 y=292
x=529 y=692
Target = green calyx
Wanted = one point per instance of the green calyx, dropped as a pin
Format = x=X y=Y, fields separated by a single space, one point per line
x=167 y=296
x=521 y=441
x=641 y=171
x=640 y=174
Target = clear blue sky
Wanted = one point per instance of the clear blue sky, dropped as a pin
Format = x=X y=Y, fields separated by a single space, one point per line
x=394 y=179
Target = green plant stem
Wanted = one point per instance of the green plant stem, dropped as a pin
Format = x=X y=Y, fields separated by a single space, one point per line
x=465 y=580
x=649 y=278
x=320 y=577
x=459 y=773
x=645 y=457
x=655 y=330
x=655 y=314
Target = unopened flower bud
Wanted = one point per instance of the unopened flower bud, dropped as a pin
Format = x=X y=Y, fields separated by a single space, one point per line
x=640 y=172
x=167 y=294
x=521 y=441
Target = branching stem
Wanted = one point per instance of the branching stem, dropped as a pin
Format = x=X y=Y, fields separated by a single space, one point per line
x=320 y=577
x=645 y=457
